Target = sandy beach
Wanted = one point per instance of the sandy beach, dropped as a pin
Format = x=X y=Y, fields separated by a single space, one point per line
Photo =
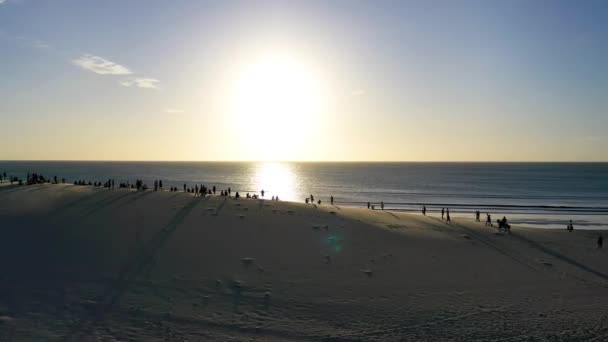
x=81 y=263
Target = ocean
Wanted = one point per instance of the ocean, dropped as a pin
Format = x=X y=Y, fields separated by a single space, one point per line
x=544 y=195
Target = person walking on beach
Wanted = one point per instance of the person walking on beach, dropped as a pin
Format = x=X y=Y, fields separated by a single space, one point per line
x=488 y=220
x=382 y=205
x=600 y=241
x=262 y=192
x=477 y=216
x=331 y=200
x=570 y=226
x=442 y=213
x=312 y=198
x=447 y=215
x=368 y=205
x=424 y=210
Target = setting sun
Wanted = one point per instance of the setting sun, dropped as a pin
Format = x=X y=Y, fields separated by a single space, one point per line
x=277 y=98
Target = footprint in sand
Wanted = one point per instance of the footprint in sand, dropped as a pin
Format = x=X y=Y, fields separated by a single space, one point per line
x=367 y=272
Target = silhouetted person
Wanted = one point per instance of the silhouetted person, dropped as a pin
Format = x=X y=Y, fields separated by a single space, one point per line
x=368 y=205
x=160 y=184
x=184 y=187
x=447 y=215
x=312 y=198
x=262 y=192
x=488 y=220
x=600 y=241
x=570 y=226
x=319 y=202
x=477 y=216
x=442 y=213
x=236 y=195
x=424 y=210
x=155 y=185
x=502 y=224
x=214 y=189
x=229 y=191
x=331 y=200
x=382 y=205
x=306 y=200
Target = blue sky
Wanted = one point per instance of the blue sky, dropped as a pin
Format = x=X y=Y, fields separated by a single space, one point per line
x=401 y=80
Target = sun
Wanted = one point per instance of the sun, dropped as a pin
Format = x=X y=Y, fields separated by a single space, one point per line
x=277 y=99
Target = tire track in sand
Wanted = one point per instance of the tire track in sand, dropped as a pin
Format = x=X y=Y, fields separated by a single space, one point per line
x=131 y=270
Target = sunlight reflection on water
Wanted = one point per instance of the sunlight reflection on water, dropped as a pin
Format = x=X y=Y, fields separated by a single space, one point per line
x=277 y=179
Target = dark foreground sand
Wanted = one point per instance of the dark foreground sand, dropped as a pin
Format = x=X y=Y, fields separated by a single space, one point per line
x=90 y=264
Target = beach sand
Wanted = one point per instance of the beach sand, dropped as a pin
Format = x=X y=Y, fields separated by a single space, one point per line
x=80 y=263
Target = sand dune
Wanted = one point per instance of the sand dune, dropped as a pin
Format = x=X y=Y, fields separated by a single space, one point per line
x=90 y=264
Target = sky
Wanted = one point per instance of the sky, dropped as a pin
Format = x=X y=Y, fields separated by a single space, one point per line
x=304 y=80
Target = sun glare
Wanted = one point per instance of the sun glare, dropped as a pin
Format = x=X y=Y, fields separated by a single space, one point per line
x=277 y=99
x=278 y=179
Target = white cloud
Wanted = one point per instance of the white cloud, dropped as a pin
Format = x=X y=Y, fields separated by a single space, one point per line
x=174 y=111
x=146 y=83
x=101 y=65
x=40 y=45
x=2 y=1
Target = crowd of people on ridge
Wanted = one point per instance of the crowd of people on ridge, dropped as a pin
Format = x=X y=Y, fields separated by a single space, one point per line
x=202 y=191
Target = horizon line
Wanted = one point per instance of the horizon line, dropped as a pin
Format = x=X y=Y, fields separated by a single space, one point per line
x=303 y=161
